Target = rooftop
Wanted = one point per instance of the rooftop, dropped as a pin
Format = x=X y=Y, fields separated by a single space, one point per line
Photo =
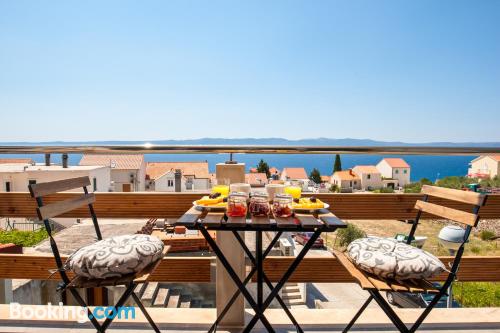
x=42 y=167
x=295 y=173
x=256 y=179
x=198 y=169
x=365 y=169
x=346 y=175
x=396 y=162
x=16 y=161
x=115 y=161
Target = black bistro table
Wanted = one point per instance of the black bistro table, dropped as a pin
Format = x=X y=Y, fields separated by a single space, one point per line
x=316 y=222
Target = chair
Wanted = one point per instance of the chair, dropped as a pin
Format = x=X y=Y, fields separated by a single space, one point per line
x=374 y=285
x=53 y=209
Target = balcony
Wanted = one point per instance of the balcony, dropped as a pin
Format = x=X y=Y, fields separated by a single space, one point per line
x=188 y=269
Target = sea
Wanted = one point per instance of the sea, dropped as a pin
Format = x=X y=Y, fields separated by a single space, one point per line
x=431 y=167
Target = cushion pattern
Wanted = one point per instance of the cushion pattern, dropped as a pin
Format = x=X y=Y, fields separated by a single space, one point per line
x=115 y=256
x=390 y=259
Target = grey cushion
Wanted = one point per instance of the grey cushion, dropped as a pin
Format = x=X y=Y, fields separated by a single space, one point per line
x=388 y=258
x=115 y=256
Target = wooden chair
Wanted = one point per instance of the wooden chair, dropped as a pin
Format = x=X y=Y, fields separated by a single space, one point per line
x=48 y=211
x=374 y=285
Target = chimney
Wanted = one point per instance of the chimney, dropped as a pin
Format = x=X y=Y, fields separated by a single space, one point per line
x=47 y=159
x=64 y=160
x=177 y=180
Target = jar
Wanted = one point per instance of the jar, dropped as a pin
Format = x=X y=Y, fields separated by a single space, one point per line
x=237 y=204
x=282 y=205
x=259 y=204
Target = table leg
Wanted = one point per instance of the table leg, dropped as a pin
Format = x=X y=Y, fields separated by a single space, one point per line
x=285 y=278
x=260 y=269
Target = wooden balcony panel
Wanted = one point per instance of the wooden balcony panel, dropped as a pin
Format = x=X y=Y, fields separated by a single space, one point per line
x=173 y=205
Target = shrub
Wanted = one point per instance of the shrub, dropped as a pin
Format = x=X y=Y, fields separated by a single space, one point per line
x=487 y=235
x=334 y=188
x=349 y=234
x=477 y=294
x=23 y=238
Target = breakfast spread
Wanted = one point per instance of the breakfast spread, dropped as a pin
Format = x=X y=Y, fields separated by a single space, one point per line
x=282 y=205
x=308 y=203
x=259 y=205
x=237 y=204
x=213 y=200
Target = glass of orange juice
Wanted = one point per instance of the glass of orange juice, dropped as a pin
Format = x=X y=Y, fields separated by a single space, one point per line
x=294 y=191
x=221 y=186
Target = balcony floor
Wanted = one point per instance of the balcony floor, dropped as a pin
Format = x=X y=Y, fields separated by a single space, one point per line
x=324 y=320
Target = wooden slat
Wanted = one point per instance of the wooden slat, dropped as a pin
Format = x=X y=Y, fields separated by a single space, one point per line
x=447 y=213
x=285 y=222
x=364 y=282
x=41 y=189
x=260 y=221
x=329 y=219
x=59 y=208
x=468 y=197
x=380 y=206
x=212 y=219
x=189 y=218
x=236 y=221
x=308 y=220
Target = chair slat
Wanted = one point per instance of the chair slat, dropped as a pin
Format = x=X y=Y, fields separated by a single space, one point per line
x=61 y=207
x=448 y=213
x=41 y=189
x=189 y=218
x=468 y=197
x=353 y=270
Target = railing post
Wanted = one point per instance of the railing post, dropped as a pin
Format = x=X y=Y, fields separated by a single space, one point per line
x=225 y=287
x=6 y=295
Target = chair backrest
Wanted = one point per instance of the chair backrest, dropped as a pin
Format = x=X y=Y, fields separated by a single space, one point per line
x=54 y=209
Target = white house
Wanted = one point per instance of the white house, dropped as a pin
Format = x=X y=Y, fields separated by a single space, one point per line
x=369 y=175
x=16 y=177
x=395 y=168
x=177 y=176
x=128 y=171
x=346 y=180
x=487 y=166
x=295 y=174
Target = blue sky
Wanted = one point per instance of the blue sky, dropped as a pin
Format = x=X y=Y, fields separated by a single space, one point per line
x=141 y=70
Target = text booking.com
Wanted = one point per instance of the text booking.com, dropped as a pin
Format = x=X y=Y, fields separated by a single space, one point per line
x=60 y=312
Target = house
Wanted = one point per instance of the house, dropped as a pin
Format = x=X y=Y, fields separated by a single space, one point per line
x=486 y=166
x=177 y=176
x=16 y=177
x=346 y=180
x=325 y=179
x=256 y=179
x=274 y=173
x=369 y=175
x=128 y=171
x=296 y=175
x=396 y=169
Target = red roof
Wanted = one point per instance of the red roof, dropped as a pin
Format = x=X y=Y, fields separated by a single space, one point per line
x=198 y=169
x=295 y=173
x=274 y=171
x=118 y=161
x=365 y=169
x=396 y=162
x=495 y=157
x=256 y=179
x=345 y=175
x=16 y=161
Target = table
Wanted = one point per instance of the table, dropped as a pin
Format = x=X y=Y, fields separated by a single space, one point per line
x=204 y=220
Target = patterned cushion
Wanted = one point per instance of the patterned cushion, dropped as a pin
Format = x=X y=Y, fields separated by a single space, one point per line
x=115 y=256
x=388 y=258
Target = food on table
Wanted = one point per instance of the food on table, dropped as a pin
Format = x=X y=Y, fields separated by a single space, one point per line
x=294 y=191
x=282 y=205
x=215 y=199
x=259 y=205
x=237 y=204
x=308 y=203
x=222 y=189
x=274 y=189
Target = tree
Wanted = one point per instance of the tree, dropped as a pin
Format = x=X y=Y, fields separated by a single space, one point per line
x=416 y=187
x=337 y=166
x=315 y=176
x=263 y=167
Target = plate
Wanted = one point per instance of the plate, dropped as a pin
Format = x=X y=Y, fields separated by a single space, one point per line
x=209 y=208
x=310 y=210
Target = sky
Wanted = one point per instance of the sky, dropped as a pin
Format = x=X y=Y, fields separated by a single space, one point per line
x=413 y=71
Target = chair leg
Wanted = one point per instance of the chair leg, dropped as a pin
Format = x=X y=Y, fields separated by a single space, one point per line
x=145 y=312
x=393 y=316
x=356 y=316
x=82 y=303
x=428 y=309
x=121 y=301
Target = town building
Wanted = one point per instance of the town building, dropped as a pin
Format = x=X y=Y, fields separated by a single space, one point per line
x=128 y=171
x=299 y=175
x=394 y=169
x=274 y=173
x=370 y=177
x=346 y=180
x=486 y=166
x=177 y=176
x=258 y=179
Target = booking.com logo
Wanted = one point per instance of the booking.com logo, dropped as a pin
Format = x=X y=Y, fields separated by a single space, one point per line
x=60 y=312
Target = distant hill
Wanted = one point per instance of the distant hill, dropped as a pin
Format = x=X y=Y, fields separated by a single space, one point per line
x=267 y=141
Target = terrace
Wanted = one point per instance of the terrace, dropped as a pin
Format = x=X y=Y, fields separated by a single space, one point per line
x=202 y=269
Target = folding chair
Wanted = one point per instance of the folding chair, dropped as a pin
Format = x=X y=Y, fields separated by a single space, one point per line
x=374 y=285
x=53 y=209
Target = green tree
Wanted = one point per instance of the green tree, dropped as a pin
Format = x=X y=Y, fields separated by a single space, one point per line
x=416 y=187
x=263 y=167
x=315 y=176
x=456 y=182
x=337 y=166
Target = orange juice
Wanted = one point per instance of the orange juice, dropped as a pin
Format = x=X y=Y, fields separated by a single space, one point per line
x=294 y=191
x=222 y=189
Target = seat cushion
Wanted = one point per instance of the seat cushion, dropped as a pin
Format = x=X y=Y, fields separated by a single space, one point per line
x=115 y=256
x=390 y=259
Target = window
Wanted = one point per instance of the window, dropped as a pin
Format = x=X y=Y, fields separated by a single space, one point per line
x=170 y=183
x=350 y=183
x=94 y=184
x=32 y=182
x=405 y=171
x=368 y=176
x=7 y=186
x=355 y=182
x=397 y=171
